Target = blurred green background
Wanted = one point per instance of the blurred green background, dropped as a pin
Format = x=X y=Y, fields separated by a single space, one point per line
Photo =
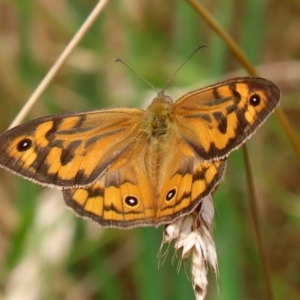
x=46 y=252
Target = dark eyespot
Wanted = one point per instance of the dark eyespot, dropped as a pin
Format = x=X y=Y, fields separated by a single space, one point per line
x=254 y=100
x=131 y=200
x=24 y=145
x=171 y=194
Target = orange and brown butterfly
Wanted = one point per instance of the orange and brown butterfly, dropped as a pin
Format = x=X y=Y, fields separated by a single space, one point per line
x=127 y=167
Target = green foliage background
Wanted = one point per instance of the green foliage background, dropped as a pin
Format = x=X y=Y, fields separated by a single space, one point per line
x=48 y=253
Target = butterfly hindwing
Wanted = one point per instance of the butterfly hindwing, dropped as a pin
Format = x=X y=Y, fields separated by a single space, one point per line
x=123 y=197
x=134 y=194
x=187 y=179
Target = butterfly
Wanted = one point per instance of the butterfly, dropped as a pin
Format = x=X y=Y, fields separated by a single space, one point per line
x=128 y=167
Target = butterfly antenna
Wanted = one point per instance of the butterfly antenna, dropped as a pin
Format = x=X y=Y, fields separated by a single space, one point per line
x=196 y=50
x=145 y=80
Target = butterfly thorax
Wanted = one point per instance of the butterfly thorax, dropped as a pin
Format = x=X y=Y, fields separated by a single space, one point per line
x=158 y=116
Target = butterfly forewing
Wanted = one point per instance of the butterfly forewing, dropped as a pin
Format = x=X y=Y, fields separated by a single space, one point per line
x=68 y=150
x=217 y=119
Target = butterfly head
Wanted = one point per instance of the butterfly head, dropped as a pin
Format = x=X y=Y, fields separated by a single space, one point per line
x=162 y=97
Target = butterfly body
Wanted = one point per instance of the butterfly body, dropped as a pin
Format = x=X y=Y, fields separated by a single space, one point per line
x=126 y=167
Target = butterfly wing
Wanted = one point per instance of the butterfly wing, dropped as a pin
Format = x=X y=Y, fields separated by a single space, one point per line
x=186 y=188
x=219 y=118
x=68 y=150
x=185 y=179
x=123 y=197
